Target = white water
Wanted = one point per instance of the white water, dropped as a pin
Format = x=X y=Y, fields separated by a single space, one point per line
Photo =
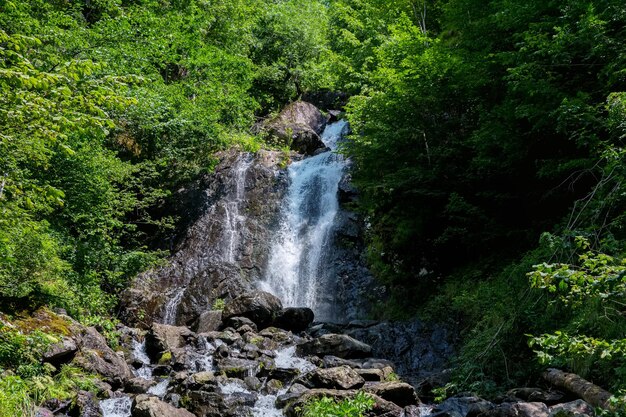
x=286 y=358
x=265 y=405
x=160 y=389
x=234 y=220
x=139 y=352
x=116 y=407
x=297 y=272
x=171 y=306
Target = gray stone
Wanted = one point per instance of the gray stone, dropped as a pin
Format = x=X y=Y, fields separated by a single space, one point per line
x=294 y=319
x=162 y=338
x=259 y=306
x=342 y=377
x=153 y=407
x=399 y=393
x=339 y=345
x=209 y=321
x=96 y=356
x=578 y=408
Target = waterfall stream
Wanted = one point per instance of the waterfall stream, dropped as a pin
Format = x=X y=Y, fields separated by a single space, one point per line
x=298 y=271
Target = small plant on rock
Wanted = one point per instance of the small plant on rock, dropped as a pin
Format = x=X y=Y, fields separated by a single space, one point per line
x=330 y=407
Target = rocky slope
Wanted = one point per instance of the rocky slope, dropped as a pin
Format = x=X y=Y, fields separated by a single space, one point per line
x=244 y=365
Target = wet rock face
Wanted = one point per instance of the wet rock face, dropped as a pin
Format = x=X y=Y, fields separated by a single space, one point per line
x=224 y=251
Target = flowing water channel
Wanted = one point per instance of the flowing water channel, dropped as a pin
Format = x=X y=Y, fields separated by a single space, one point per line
x=298 y=271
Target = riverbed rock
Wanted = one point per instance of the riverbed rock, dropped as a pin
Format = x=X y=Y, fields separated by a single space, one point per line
x=209 y=321
x=578 y=408
x=342 y=377
x=397 y=392
x=298 y=125
x=86 y=405
x=259 y=306
x=138 y=385
x=530 y=394
x=294 y=319
x=339 y=345
x=145 y=406
x=162 y=338
x=462 y=406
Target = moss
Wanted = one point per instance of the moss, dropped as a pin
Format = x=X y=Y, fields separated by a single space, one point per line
x=46 y=321
x=165 y=358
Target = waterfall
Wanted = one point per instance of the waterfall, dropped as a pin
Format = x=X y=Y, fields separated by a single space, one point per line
x=234 y=220
x=169 y=317
x=298 y=271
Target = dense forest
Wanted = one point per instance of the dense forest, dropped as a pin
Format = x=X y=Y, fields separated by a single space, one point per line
x=487 y=142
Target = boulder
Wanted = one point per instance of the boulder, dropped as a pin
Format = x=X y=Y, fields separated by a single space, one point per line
x=238 y=323
x=138 y=385
x=462 y=406
x=298 y=126
x=86 y=405
x=342 y=377
x=339 y=345
x=535 y=395
x=153 y=407
x=399 y=393
x=294 y=319
x=375 y=375
x=209 y=321
x=43 y=412
x=519 y=409
x=163 y=338
x=61 y=352
x=259 y=306
x=578 y=408
x=96 y=356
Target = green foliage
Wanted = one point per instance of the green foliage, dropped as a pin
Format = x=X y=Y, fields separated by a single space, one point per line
x=329 y=407
x=594 y=284
x=219 y=304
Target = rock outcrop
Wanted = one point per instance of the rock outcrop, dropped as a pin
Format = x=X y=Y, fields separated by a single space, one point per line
x=224 y=250
x=298 y=126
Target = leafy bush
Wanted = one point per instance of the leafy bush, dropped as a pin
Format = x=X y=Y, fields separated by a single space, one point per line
x=329 y=407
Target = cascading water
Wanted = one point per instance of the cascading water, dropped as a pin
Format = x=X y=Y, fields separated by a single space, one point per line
x=298 y=271
x=234 y=220
x=172 y=305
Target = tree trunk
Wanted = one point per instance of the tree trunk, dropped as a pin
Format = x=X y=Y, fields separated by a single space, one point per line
x=589 y=392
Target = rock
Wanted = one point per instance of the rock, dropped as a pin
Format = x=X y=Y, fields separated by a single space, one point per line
x=238 y=322
x=334 y=115
x=339 y=345
x=519 y=409
x=298 y=126
x=376 y=375
x=253 y=383
x=209 y=321
x=535 y=395
x=342 y=377
x=237 y=368
x=163 y=338
x=462 y=406
x=43 y=412
x=258 y=183
x=86 y=405
x=273 y=386
x=259 y=306
x=96 y=356
x=61 y=352
x=153 y=407
x=202 y=378
x=138 y=385
x=294 y=319
x=399 y=393
x=578 y=408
